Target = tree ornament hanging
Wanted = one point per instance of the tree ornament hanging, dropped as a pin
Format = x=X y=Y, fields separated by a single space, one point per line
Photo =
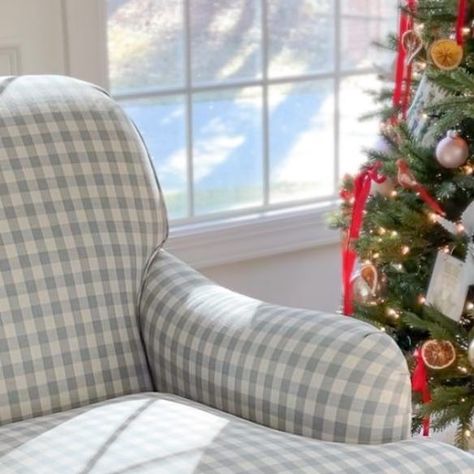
x=412 y=44
x=361 y=192
x=419 y=122
x=407 y=180
x=385 y=189
x=452 y=151
x=470 y=353
x=438 y=354
x=446 y=54
x=367 y=285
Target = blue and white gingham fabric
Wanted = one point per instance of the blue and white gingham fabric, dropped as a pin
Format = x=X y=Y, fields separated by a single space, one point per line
x=165 y=434
x=319 y=375
x=80 y=213
x=89 y=303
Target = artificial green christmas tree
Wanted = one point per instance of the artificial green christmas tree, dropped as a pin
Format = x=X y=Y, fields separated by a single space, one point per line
x=407 y=218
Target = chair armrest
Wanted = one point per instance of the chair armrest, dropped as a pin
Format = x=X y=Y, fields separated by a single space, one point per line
x=320 y=375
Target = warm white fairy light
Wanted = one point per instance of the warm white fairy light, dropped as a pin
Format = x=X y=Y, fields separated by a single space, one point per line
x=462 y=369
x=467 y=433
x=460 y=228
x=398 y=266
x=432 y=217
x=394 y=233
x=382 y=230
x=421 y=299
x=468 y=169
x=376 y=255
x=405 y=250
x=392 y=313
x=446 y=249
x=394 y=194
x=469 y=306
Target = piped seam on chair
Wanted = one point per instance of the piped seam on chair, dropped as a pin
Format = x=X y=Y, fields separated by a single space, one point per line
x=151 y=258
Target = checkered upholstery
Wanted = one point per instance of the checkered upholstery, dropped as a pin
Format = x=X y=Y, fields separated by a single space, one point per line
x=85 y=287
x=319 y=375
x=80 y=212
x=165 y=434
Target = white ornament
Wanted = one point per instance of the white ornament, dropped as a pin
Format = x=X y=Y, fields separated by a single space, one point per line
x=452 y=151
x=384 y=189
x=468 y=229
x=419 y=123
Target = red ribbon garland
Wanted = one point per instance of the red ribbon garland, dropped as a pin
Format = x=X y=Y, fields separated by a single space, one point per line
x=403 y=71
x=419 y=383
x=460 y=21
x=362 y=184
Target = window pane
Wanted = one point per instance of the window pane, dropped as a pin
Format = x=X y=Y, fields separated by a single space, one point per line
x=145 y=44
x=301 y=140
x=301 y=37
x=374 y=8
x=161 y=121
x=357 y=38
x=227 y=150
x=226 y=39
x=355 y=134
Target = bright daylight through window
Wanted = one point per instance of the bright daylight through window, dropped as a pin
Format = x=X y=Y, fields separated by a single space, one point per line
x=248 y=105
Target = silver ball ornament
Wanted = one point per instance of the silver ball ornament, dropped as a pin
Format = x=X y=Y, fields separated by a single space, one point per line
x=452 y=151
x=470 y=353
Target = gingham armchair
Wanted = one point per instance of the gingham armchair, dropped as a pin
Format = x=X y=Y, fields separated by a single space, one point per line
x=117 y=357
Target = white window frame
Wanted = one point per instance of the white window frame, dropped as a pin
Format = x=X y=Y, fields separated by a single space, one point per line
x=235 y=235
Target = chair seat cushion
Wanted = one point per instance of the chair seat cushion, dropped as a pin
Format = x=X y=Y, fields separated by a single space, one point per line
x=163 y=433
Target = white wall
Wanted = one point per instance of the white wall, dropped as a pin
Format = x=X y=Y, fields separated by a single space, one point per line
x=31 y=37
x=306 y=279
x=53 y=37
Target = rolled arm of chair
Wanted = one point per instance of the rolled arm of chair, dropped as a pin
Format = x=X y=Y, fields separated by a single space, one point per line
x=319 y=375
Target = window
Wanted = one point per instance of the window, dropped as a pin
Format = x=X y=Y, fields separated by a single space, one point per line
x=248 y=105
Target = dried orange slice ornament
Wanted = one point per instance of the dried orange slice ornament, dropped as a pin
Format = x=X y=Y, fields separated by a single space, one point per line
x=446 y=54
x=438 y=354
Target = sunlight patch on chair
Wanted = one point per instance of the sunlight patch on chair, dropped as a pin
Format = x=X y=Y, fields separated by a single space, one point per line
x=160 y=433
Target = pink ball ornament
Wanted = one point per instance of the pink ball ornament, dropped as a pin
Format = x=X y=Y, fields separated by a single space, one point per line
x=452 y=151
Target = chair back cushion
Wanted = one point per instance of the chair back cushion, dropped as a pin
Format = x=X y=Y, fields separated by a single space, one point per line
x=80 y=213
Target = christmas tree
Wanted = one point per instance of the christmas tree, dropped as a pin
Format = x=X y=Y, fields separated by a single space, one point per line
x=408 y=217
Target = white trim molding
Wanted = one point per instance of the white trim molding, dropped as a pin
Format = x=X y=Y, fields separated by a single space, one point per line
x=85 y=40
x=252 y=236
x=10 y=60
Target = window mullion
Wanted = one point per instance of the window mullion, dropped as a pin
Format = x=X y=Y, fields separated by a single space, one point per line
x=189 y=107
x=265 y=109
x=337 y=85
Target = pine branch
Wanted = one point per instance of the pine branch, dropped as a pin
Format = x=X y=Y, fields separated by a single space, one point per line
x=459 y=81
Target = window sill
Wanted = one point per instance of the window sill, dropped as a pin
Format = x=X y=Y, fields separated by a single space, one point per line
x=252 y=236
